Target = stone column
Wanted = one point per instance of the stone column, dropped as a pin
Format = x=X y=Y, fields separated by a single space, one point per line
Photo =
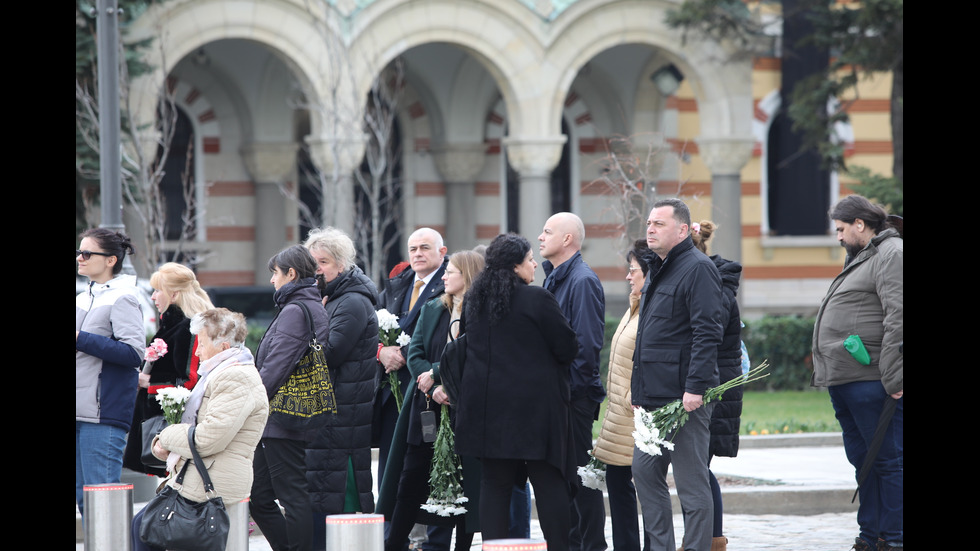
x=460 y=164
x=337 y=158
x=534 y=159
x=725 y=158
x=269 y=164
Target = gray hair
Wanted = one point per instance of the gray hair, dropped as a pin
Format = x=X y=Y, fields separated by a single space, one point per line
x=221 y=325
x=333 y=242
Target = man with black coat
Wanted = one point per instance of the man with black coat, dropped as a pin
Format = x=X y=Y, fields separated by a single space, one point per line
x=676 y=358
x=579 y=294
x=404 y=295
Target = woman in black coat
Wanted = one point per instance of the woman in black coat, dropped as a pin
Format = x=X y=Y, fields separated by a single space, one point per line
x=178 y=297
x=513 y=409
x=727 y=413
x=338 y=460
x=279 y=466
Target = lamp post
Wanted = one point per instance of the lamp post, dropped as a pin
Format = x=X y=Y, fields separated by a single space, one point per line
x=107 y=52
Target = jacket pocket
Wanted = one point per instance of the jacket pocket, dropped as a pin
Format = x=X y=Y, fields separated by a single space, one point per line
x=660 y=372
x=662 y=302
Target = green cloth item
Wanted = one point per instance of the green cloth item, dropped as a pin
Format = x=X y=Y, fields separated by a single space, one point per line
x=352 y=502
x=854 y=345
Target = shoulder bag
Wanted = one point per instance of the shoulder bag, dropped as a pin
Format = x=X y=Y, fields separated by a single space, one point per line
x=149 y=429
x=304 y=400
x=171 y=521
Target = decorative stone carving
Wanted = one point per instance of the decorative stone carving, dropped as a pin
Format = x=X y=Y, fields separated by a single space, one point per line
x=269 y=162
x=460 y=162
x=534 y=156
x=726 y=155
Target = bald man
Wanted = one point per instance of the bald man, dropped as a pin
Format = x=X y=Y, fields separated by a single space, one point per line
x=580 y=295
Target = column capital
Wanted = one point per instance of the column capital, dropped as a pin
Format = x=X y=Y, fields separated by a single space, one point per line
x=344 y=152
x=460 y=163
x=726 y=155
x=534 y=156
x=269 y=163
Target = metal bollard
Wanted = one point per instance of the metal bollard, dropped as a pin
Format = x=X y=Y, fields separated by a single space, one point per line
x=355 y=532
x=516 y=544
x=238 y=526
x=108 y=516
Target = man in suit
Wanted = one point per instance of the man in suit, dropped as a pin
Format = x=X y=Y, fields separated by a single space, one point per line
x=403 y=295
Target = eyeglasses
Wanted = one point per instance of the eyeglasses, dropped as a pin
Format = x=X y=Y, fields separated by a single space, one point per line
x=88 y=254
x=633 y=269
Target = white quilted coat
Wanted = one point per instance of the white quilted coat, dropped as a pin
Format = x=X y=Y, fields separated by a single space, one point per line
x=614 y=446
x=230 y=422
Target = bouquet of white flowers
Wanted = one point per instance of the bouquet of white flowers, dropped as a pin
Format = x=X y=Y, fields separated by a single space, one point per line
x=593 y=473
x=172 y=400
x=390 y=334
x=651 y=427
x=446 y=478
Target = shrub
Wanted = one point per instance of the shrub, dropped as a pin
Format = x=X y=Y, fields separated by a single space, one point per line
x=786 y=342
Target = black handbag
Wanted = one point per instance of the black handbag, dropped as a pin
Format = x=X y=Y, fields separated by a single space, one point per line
x=171 y=521
x=452 y=362
x=149 y=429
x=304 y=401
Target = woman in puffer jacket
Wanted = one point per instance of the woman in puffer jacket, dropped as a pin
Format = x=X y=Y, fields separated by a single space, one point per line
x=614 y=446
x=228 y=407
x=338 y=460
x=280 y=459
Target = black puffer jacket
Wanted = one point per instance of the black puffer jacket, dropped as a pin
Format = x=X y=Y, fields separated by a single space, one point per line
x=351 y=349
x=725 y=418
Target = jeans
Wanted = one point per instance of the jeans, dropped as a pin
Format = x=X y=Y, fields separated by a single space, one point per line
x=98 y=456
x=520 y=512
x=858 y=406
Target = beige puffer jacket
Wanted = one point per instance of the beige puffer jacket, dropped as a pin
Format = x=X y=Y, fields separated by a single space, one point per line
x=230 y=422
x=615 y=443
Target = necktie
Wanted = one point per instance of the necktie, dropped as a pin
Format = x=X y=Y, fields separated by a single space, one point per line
x=415 y=294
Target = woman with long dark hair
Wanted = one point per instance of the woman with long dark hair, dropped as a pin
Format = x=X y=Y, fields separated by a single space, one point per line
x=109 y=344
x=513 y=409
x=280 y=458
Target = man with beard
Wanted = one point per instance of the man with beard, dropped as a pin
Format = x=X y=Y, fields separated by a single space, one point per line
x=857 y=353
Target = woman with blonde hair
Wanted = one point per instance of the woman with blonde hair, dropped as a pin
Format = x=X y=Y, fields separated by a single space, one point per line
x=178 y=297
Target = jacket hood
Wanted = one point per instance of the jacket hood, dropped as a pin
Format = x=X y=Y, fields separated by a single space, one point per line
x=730 y=272
x=118 y=282
x=352 y=281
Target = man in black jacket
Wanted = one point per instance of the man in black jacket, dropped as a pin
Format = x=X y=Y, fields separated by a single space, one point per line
x=676 y=358
x=403 y=296
x=582 y=300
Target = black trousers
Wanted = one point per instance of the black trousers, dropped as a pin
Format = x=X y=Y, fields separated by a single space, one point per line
x=279 y=471
x=588 y=510
x=413 y=491
x=550 y=491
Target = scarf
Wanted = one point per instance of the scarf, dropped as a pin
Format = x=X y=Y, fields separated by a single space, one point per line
x=208 y=368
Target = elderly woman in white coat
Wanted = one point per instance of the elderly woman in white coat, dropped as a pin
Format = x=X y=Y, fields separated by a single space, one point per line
x=229 y=407
x=614 y=446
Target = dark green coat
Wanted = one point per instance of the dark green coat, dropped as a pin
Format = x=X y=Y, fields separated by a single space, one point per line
x=418 y=362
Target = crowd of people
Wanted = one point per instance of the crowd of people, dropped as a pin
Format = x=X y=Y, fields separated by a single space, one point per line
x=529 y=391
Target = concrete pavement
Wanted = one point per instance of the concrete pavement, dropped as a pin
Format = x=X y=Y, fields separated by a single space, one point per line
x=781 y=492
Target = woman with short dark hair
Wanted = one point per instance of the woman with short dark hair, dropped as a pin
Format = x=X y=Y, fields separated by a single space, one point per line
x=513 y=409
x=280 y=458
